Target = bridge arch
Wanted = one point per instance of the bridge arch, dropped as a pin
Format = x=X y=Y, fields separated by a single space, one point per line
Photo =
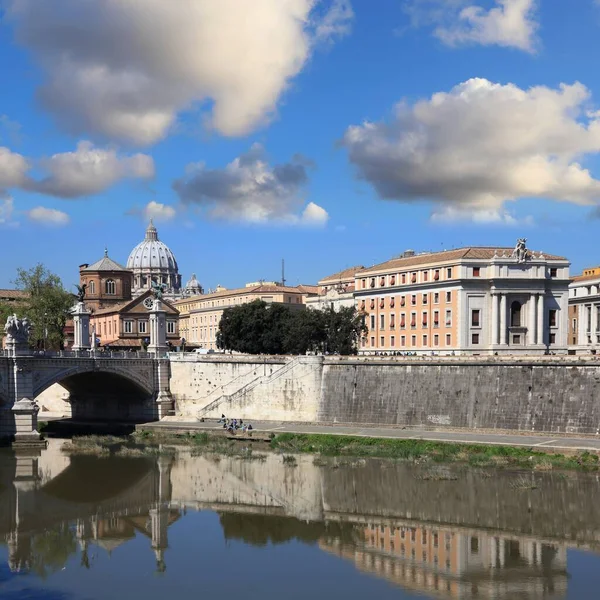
x=107 y=392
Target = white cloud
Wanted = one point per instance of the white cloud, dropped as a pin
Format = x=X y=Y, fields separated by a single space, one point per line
x=7 y=209
x=482 y=216
x=89 y=170
x=510 y=23
x=249 y=189
x=48 y=216
x=13 y=168
x=480 y=145
x=126 y=68
x=158 y=212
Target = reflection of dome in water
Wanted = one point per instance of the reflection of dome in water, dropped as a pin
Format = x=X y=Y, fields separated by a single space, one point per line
x=152 y=260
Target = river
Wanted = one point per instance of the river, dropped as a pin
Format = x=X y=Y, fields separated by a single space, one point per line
x=179 y=525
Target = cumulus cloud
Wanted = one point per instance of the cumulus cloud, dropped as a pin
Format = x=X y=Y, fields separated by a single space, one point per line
x=158 y=211
x=48 y=216
x=249 y=189
x=510 y=23
x=125 y=69
x=7 y=209
x=89 y=170
x=13 y=168
x=472 y=149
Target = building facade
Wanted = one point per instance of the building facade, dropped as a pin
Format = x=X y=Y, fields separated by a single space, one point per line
x=584 y=312
x=335 y=291
x=474 y=300
x=200 y=315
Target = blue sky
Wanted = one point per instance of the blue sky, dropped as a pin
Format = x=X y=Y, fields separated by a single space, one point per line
x=330 y=133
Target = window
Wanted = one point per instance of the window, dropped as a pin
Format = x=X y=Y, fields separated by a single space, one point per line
x=372 y=322
x=436 y=275
x=425 y=340
x=424 y=298
x=553 y=272
x=402 y=300
x=170 y=326
x=448 y=296
x=413 y=299
x=393 y=280
x=382 y=303
x=475 y=339
x=436 y=340
x=403 y=277
x=143 y=326
x=436 y=298
x=413 y=340
x=372 y=342
x=92 y=286
x=392 y=321
x=372 y=303
x=553 y=338
x=381 y=321
x=364 y=284
x=476 y=272
x=128 y=327
x=474 y=545
x=517 y=339
x=403 y=340
x=382 y=342
x=403 y=320
x=413 y=319
x=392 y=341
x=476 y=318
x=552 y=317
x=515 y=314
x=363 y=305
x=392 y=302
x=448 y=318
x=413 y=278
x=425 y=275
x=372 y=282
x=448 y=340
x=449 y=272
x=574 y=324
x=382 y=281
x=424 y=319
x=110 y=287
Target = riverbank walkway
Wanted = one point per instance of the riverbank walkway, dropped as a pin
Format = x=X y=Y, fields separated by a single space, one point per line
x=561 y=443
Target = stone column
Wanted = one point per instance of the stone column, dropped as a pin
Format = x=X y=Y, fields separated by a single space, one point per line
x=503 y=327
x=532 y=320
x=540 y=320
x=495 y=324
x=81 y=324
x=158 y=328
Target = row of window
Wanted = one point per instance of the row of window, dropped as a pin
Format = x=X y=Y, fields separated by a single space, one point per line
x=143 y=327
x=413 y=320
x=391 y=301
x=403 y=341
x=404 y=278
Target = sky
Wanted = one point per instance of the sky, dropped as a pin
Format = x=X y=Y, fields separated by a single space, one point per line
x=329 y=133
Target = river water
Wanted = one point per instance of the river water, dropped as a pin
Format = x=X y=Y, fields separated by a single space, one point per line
x=268 y=526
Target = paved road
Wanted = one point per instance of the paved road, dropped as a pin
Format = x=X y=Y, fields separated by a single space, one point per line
x=538 y=441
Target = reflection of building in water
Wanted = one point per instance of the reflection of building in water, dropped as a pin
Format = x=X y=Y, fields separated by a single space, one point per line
x=455 y=563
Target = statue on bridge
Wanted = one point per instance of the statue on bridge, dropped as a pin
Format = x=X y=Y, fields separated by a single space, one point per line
x=17 y=330
x=81 y=292
x=158 y=290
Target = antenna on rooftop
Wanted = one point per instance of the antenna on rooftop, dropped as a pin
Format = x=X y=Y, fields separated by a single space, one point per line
x=283 y=272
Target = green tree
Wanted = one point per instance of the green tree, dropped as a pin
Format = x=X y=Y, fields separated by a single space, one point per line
x=306 y=332
x=344 y=328
x=47 y=305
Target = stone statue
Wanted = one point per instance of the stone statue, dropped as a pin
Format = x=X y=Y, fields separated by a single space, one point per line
x=81 y=291
x=520 y=252
x=158 y=290
x=17 y=330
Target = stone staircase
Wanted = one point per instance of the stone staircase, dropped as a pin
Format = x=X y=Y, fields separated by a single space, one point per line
x=239 y=392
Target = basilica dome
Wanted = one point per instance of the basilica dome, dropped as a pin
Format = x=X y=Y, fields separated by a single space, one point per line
x=152 y=260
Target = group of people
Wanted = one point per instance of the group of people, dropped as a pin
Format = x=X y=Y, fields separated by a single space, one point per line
x=234 y=425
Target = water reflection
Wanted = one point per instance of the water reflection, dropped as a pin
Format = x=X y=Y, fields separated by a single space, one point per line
x=477 y=536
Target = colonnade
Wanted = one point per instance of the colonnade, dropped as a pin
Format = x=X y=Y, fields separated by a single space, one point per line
x=534 y=323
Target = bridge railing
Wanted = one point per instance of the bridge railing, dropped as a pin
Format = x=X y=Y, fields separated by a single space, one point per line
x=98 y=354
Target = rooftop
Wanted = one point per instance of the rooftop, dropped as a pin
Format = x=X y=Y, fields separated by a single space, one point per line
x=257 y=289
x=444 y=256
x=12 y=294
x=105 y=264
x=348 y=273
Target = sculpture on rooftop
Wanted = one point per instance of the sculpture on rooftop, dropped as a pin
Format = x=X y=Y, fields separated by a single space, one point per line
x=520 y=252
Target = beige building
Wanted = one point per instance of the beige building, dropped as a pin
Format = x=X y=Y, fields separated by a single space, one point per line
x=475 y=300
x=199 y=316
x=584 y=312
x=335 y=291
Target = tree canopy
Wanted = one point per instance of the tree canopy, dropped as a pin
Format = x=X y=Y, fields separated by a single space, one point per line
x=46 y=304
x=261 y=328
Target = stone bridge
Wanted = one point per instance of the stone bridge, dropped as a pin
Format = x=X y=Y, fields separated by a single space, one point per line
x=123 y=386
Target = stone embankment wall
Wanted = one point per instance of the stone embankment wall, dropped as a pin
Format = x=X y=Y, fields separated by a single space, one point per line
x=554 y=394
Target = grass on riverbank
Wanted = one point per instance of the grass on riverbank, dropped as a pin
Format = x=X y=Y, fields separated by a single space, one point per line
x=441 y=452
